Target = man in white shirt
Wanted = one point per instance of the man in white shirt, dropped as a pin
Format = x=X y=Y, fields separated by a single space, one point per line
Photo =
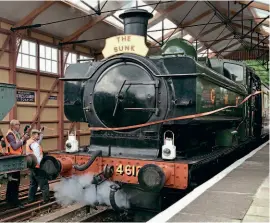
x=37 y=176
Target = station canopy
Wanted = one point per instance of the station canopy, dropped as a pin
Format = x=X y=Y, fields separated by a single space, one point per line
x=204 y=23
x=215 y=28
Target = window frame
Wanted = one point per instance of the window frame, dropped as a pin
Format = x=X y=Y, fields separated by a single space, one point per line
x=28 y=54
x=84 y=57
x=69 y=53
x=52 y=60
x=243 y=76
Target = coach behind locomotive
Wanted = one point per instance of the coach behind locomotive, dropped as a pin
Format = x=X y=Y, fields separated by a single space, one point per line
x=144 y=111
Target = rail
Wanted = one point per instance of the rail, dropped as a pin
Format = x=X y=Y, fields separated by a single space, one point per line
x=8 y=214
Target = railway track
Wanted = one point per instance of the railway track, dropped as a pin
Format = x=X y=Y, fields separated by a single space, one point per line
x=17 y=214
x=8 y=214
x=99 y=216
x=109 y=215
x=84 y=214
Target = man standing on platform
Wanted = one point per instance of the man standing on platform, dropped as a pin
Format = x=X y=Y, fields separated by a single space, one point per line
x=14 y=146
x=38 y=177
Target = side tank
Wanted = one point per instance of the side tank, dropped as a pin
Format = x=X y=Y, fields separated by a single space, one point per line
x=202 y=88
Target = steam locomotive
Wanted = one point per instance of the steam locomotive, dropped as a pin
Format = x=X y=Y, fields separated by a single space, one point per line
x=154 y=120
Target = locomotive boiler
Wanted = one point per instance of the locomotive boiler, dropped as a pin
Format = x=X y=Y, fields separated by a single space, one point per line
x=156 y=119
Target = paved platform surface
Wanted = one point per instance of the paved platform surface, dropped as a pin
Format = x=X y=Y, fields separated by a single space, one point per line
x=241 y=196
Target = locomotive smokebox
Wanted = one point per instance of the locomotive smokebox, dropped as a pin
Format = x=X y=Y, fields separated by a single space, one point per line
x=136 y=21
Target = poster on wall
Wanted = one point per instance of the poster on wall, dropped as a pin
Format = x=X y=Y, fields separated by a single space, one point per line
x=26 y=96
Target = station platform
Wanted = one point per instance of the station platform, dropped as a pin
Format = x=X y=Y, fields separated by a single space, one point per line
x=240 y=193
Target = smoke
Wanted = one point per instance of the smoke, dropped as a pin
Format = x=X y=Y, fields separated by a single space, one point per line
x=79 y=189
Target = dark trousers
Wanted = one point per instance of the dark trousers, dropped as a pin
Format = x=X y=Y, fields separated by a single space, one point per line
x=12 y=192
x=38 y=178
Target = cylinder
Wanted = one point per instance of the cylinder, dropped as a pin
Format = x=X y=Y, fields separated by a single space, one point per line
x=136 y=21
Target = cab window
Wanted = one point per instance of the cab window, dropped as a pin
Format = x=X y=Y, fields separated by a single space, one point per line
x=234 y=72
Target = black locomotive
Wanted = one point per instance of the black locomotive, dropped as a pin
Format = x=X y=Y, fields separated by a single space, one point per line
x=153 y=118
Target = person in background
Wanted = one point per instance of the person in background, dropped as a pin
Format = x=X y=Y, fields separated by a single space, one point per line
x=14 y=146
x=38 y=177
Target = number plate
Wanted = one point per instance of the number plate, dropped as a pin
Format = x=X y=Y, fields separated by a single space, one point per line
x=129 y=170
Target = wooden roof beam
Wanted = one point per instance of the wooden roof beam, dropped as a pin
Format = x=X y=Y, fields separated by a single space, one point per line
x=86 y=27
x=159 y=16
x=257 y=5
x=26 y=21
x=258 y=30
x=225 y=48
x=36 y=12
x=224 y=12
x=89 y=25
x=233 y=24
x=265 y=22
x=196 y=19
x=227 y=36
x=216 y=42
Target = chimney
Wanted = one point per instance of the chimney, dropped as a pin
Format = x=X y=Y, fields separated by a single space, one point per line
x=136 y=21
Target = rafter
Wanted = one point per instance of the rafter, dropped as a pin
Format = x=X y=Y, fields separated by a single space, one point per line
x=86 y=27
x=233 y=24
x=75 y=35
x=265 y=23
x=223 y=49
x=225 y=38
x=216 y=42
x=196 y=19
x=224 y=12
x=159 y=16
x=258 y=30
x=257 y=5
x=36 y=12
x=26 y=21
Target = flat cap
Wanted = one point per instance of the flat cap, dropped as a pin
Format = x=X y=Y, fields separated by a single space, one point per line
x=35 y=131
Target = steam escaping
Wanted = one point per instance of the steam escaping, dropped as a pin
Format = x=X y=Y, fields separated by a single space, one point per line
x=79 y=189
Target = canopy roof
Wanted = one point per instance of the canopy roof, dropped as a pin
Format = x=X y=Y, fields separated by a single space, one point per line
x=216 y=27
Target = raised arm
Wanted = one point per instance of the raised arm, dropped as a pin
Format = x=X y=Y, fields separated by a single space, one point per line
x=40 y=138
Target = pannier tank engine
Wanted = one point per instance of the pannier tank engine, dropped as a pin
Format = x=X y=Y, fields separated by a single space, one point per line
x=125 y=99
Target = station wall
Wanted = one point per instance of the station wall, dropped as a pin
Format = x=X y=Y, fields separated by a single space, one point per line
x=45 y=102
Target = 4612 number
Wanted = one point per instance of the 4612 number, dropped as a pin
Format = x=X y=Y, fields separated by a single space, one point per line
x=129 y=170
